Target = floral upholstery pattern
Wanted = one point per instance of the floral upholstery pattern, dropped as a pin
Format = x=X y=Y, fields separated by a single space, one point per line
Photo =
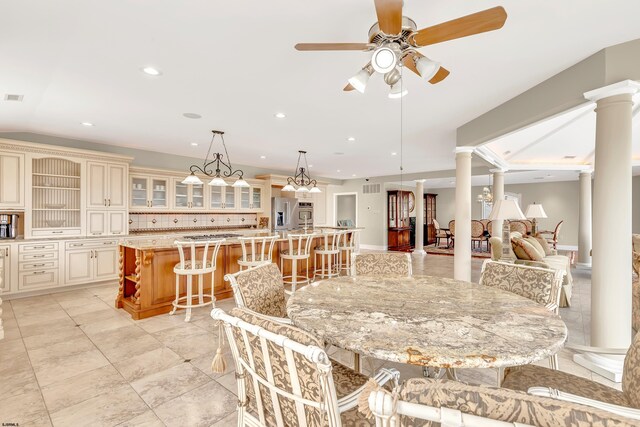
x=518 y=226
x=477 y=229
x=631 y=374
x=503 y=405
x=382 y=264
x=261 y=290
x=345 y=380
x=537 y=284
x=635 y=305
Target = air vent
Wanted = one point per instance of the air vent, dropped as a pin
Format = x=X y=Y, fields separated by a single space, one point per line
x=569 y=157
x=11 y=97
x=371 y=189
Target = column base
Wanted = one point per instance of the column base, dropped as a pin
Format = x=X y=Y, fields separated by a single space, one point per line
x=608 y=366
x=419 y=252
x=583 y=265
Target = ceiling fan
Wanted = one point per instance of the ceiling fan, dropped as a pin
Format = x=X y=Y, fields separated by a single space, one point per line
x=394 y=41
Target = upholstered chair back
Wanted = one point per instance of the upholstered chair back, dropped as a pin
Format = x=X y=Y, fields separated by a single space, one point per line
x=452 y=227
x=635 y=242
x=436 y=224
x=631 y=373
x=528 y=224
x=284 y=377
x=381 y=264
x=541 y=285
x=477 y=228
x=458 y=403
x=518 y=226
x=260 y=289
x=490 y=228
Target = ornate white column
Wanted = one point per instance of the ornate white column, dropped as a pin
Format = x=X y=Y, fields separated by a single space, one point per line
x=584 y=221
x=611 y=264
x=462 y=250
x=419 y=217
x=498 y=194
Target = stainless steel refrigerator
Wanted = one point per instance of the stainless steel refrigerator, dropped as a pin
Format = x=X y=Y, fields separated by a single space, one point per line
x=284 y=213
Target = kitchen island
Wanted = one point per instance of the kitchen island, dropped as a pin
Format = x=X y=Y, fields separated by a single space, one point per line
x=146 y=278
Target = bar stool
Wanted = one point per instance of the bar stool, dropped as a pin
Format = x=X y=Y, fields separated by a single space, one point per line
x=349 y=244
x=299 y=250
x=191 y=265
x=261 y=251
x=328 y=251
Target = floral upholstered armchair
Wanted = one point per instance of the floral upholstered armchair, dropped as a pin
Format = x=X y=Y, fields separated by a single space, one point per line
x=285 y=378
x=425 y=402
x=381 y=264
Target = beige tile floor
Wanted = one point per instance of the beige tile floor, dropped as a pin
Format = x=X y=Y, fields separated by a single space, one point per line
x=71 y=359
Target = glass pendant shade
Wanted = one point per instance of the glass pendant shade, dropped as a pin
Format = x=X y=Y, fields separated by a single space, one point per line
x=397 y=91
x=303 y=189
x=192 y=179
x=427 y=68
x=218 y=182
x=241 y=183
x=315 y=190
x=288 y=187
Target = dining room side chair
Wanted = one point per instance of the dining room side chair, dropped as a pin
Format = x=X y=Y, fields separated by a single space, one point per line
x=326 y=255
x=421 y=401
x=285 y=378
x=452 y=232
x=542 y=285
x=349 y=244
x=256 y=251
x=566 y=387
x=381 y=264
x=260 y=289
x=440 y=233
x=518 y=226
x=477 y=233
x=191 y=265
x=552 y=236
x=299 y=250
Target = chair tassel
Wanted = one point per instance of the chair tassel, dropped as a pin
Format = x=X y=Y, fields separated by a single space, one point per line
x=363 y=399
x=219 y=365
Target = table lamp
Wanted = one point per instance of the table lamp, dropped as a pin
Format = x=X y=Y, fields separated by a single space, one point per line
x=535 y=211
x=506 y=210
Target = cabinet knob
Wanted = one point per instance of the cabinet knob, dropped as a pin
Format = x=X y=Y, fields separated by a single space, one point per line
x=195 y=220
x=153 y=221
x=130 y=221
x=175 y=220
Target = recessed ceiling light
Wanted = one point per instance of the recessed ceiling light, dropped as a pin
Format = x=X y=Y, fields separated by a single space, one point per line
x=338 y=170
x=506 y=153
x=310 y=166
x=338 y=153
x=194 y=144
x=87 y=124
x=151 y=71
x=280 y=115
x=353 y=174
x=192 y=115
x=263 y=157
x=351 y=139
x=394 y=153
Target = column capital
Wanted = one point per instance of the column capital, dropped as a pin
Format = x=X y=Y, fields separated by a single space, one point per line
x=586 y=172
x=421 y=181
x=468 y=150
x=620 y=88
x=498 y=170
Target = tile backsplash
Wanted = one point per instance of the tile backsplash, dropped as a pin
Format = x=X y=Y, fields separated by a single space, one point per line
x=189 y=221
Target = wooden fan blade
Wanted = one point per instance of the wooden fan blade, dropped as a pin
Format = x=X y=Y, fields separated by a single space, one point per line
x=332 y=46
x=348 y=88
x=410 y=64
x=476 y=23
x=389 y=16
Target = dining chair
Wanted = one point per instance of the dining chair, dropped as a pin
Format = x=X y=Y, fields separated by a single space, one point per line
x=563 y=386
x=452 y=232
x=542 y=285
x=191 y=265
x=285 y=378
x=260 y=289
x=518 y=226
x=440 y=233
x=477 y=233
x=553 y=235
x=256 y=250
x=381 y=264
x=421 y=401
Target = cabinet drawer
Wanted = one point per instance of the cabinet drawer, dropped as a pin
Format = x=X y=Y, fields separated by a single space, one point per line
x=56 y=233
x=38 y=265
x=38 y=247
x=37 y=279
x=37 y=256
x=90 y=244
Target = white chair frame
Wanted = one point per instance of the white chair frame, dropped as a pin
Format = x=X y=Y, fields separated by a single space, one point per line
x=331 y=404
x=299 y=250
x=329 y=255
x=348 y=247
x=261 y=251
x=183 y=269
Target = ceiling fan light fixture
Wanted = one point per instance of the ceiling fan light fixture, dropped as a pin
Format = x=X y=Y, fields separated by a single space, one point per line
x=392 y=77
x=397 y=91
x=360 y=80
x=426 y=67
x=384 y=60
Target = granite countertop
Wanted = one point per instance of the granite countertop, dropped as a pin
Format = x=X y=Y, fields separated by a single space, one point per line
x=428 y=321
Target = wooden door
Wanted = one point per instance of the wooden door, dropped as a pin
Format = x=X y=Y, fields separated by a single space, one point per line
x=96 y=185
x=12 y=177
x=116 y=181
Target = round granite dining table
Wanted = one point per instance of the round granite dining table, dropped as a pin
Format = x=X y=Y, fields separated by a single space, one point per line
x=428 y=321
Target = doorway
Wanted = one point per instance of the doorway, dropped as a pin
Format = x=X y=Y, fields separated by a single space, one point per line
x=345 y=211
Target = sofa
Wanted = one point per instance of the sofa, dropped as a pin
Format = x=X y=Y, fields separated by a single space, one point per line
x=554 y=261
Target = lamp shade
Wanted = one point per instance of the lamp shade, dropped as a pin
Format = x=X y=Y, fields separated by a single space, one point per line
x=535 y=211
x=315 y=190
x=303 y=189
x=240 y=182
x=359 y=81
x=397 y=91
x=427 y=68
x=217 y=182
x=288 y=187
x=192 y=179
x=506 y=209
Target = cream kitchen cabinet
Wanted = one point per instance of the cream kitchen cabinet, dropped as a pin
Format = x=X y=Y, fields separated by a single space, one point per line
x=12 y=177
x=90 y=261
x=188 y=196
x=149 y=193
x=223 y=197
x=106 y=223
x=106 y=185
x=250 y=198
x=38 y=266
x=5 y=269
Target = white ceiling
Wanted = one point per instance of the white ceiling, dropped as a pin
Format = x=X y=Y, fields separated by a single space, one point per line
x=234 y=63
